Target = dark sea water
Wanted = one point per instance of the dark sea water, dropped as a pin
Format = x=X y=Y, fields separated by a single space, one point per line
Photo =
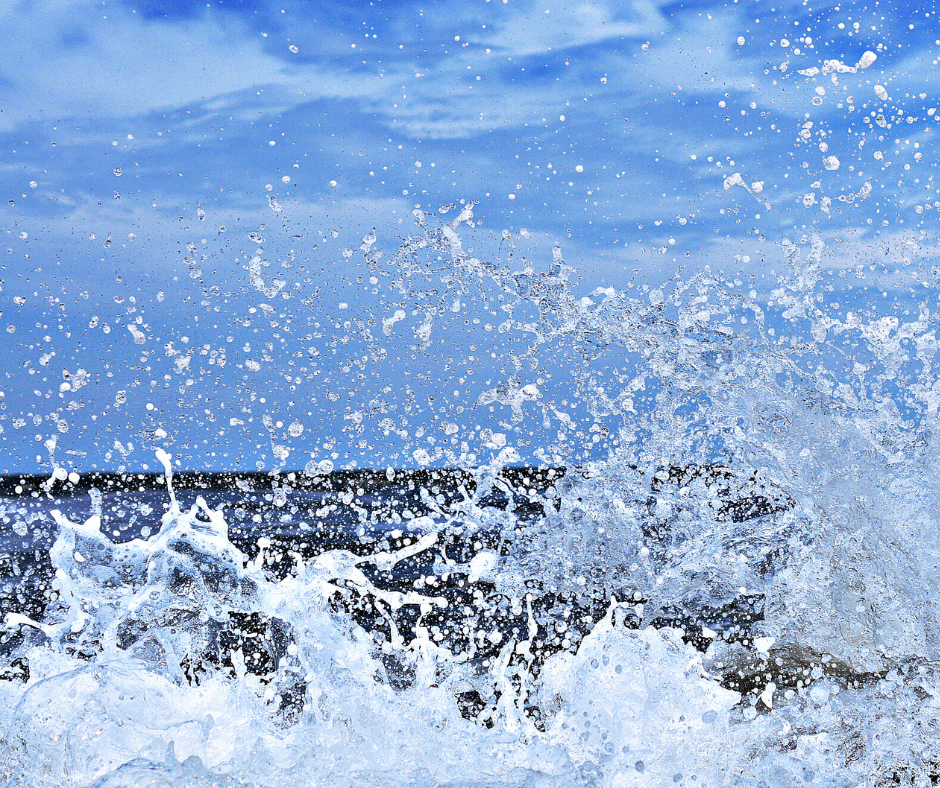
x=281 y=522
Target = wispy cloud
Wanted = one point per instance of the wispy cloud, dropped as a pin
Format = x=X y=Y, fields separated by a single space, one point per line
x=85 y=60
x=74 y=59
x=540 y=26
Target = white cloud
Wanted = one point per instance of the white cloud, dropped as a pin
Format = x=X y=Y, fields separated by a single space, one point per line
x=699 y=57
x=66 y=59
x=536 y=27
x=83 y=60
x=444 y=104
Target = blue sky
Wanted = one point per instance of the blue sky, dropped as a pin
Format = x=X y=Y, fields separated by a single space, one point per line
x=142 y=143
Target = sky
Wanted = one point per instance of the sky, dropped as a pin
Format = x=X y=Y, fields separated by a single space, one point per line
x=190 y=189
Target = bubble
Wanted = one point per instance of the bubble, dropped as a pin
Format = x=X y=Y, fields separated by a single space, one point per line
x=579 y=168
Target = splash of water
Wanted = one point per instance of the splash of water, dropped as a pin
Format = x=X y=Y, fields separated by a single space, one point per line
x=722 y=571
